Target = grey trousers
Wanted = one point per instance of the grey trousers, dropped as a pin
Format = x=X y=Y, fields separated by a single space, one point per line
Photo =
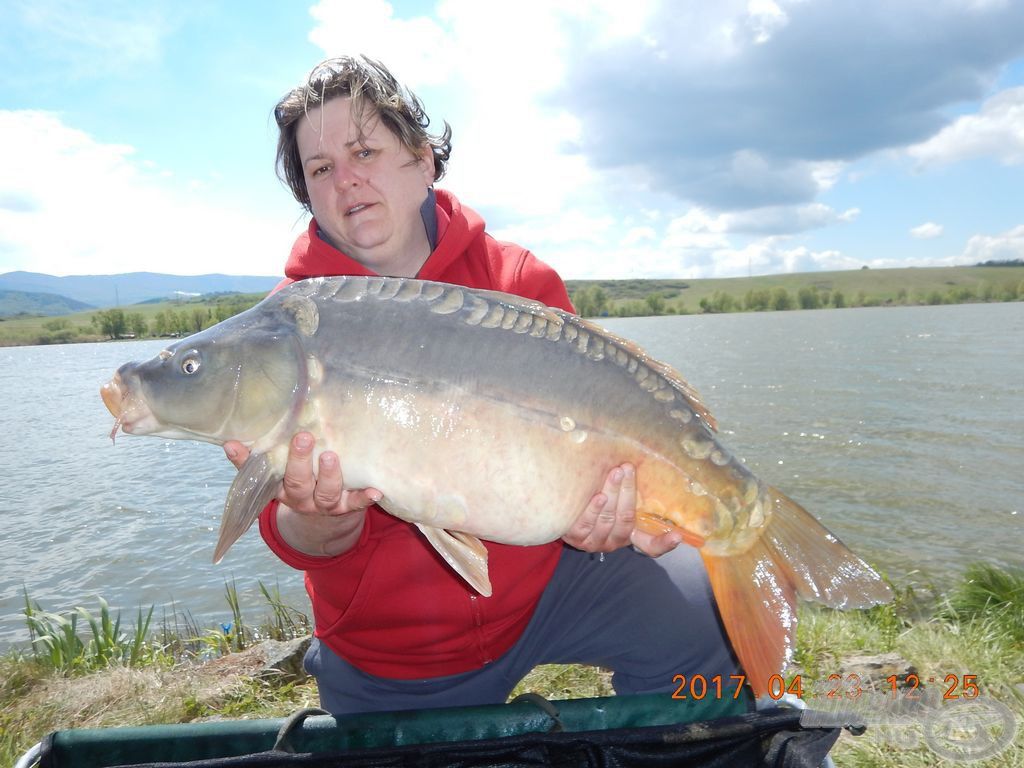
x=645 y=619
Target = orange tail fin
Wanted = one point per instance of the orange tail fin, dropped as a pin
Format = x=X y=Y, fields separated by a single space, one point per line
x=756 y=591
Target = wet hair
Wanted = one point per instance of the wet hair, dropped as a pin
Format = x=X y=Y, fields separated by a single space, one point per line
x=374 y=92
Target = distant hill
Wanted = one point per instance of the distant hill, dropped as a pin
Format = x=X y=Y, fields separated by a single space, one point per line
x=14 y=303
x=131 y=287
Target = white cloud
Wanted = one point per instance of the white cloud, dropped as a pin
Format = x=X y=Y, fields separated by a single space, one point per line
x=771 y=256
x=72 y=203
x=787 y=219
x=639 y=235
x=694 y=244
x=927 y=231
x=418 y=51
x=572 y=227
x=493 y=87
x=1006 y=246
x=744 y=105
x=729 y=134
x=696 y=229
x=996 y=131
x=764 y=18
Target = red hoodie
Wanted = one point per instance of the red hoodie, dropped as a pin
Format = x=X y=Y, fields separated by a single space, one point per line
x=390 y=605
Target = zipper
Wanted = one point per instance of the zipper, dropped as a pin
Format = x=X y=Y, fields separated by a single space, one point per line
x=478 y=622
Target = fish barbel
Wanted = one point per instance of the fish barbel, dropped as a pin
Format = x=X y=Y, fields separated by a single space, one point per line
x=481 y=415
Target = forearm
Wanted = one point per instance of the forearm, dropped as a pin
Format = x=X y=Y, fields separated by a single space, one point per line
x=319 y=535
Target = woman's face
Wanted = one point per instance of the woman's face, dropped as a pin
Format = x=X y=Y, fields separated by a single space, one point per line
x=366 y=188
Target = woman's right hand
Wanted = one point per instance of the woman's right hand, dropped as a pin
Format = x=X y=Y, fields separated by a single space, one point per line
x=317 y=515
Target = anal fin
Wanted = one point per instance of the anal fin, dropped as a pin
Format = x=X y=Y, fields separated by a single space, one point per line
x=656 y=526
x=466 y=555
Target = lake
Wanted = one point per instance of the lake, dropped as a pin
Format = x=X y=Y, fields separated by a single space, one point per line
x=901 y=428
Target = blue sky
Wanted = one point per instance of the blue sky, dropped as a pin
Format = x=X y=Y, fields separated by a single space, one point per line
x=640 y=139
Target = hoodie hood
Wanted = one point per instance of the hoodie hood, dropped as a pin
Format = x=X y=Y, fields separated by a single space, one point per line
x=457 y=228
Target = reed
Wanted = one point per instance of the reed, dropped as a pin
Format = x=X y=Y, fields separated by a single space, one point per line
x=56 y=642
x=989 y=593
x=285 y=622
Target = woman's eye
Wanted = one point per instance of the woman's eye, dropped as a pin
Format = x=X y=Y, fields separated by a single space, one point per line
x=364 y=153
x=190 y=365
x=321 y=170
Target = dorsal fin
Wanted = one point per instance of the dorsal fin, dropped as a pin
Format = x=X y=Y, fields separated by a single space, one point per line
x=446 y=298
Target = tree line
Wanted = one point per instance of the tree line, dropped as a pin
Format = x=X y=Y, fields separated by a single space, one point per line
x=118 y=324
x=593 y=301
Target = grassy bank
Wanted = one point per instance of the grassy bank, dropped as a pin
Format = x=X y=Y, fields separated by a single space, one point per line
x=148 y=320
x=803 y=290
x=114 y=680
x=592 y=298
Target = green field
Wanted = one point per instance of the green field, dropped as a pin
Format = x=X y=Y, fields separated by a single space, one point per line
x=613 y=298
x=185 y=317
x=805 y=290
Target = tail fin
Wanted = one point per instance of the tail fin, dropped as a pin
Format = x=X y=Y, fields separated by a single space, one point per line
x=756 y=591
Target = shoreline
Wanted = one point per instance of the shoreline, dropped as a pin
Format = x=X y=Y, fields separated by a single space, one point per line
x=640 y=297
x=624 y=314
x=973 y=637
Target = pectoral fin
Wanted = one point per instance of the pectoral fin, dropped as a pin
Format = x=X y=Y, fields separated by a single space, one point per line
x=464 y=553
x=252 y=490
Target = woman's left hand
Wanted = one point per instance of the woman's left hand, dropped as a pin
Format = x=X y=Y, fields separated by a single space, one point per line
x=609 y=520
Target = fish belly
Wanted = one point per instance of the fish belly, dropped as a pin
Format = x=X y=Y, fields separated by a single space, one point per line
x=505 y=435
x=499 y=470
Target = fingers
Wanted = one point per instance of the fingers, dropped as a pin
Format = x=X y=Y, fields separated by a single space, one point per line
x=608 y=520
x=237 y=453
x=616 y=521
x=322 y=492
x=361 y=498
x=329 y=494
x=655 y=546
x=327 y=489
x=299 y=483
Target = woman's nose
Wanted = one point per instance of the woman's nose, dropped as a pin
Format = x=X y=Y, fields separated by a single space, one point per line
x=346 y=176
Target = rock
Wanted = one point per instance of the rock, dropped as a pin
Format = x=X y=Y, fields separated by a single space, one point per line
x=872 y=670
x=283 y=658
x=277 y=660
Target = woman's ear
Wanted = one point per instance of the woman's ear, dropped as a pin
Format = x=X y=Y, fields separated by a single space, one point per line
x=426 y=155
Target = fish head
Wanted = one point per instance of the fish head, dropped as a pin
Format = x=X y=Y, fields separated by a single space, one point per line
x=239 y=380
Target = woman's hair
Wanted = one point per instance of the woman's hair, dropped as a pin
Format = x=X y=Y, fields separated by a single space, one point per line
x=374 y=92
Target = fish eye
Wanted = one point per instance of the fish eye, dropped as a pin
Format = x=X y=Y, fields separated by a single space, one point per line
x=190 y=364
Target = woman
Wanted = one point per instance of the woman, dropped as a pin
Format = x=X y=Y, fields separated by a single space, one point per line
x=395 y=627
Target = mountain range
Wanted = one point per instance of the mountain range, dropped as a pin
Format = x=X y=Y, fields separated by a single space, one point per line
x=40 y=294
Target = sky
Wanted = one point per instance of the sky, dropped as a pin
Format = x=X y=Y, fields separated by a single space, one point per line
x=674 y=139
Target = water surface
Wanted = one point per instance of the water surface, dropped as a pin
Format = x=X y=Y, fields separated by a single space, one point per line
x=901 y=428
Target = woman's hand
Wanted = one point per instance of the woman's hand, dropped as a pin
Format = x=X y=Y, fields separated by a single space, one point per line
x=317 y=514
x=609 y=520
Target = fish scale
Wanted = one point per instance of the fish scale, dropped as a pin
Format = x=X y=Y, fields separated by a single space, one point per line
x=481 y=415
x=513 y=313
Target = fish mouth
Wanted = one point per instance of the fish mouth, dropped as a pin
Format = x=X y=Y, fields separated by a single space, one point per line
x=131 y=414
x=114 y=393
